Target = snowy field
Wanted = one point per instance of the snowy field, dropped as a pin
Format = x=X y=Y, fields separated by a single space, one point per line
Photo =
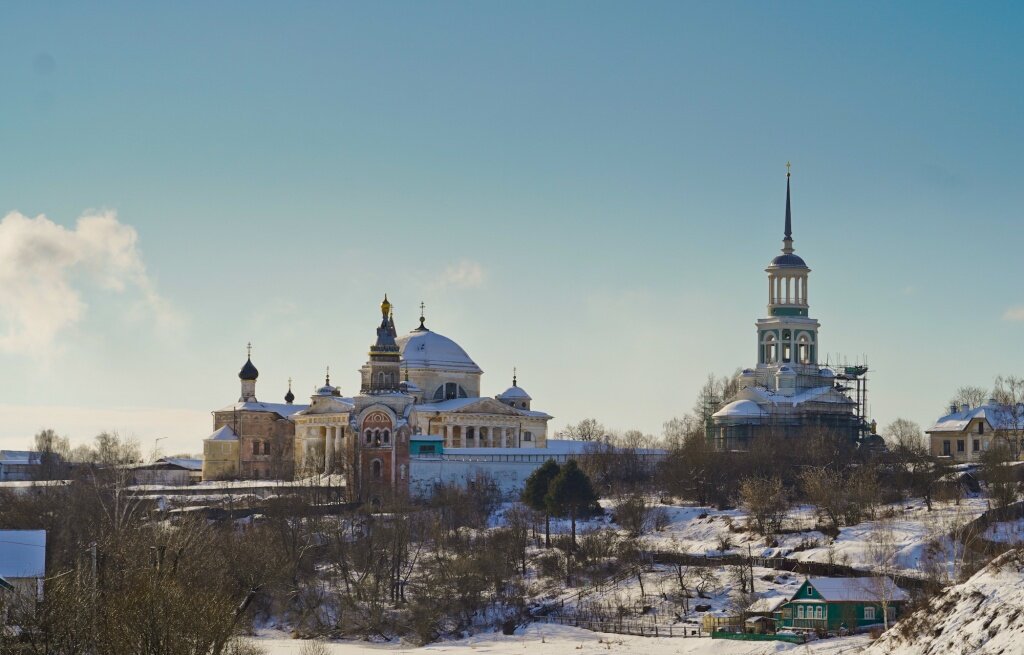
x=542 y=639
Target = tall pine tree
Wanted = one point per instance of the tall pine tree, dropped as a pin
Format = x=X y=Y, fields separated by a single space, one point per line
x=536 y=492
x=570 y=493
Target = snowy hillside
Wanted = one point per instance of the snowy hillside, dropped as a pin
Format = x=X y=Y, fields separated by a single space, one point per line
x=983 y=616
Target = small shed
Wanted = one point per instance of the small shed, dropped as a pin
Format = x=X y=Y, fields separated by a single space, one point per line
x=832 y=604
x=178 y=471
x=723 y=621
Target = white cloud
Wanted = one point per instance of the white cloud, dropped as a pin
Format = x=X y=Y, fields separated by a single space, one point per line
x=465 y=274
x=44 y=267
x=1014 y=313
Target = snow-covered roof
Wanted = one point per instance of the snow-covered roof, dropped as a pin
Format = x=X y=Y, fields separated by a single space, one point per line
x=740 y=409
x=19 y=457
x=514 y=393
x=430 y=350
x=455 y=404
x=22 y=554
x=224 y=433
x=189 y=463
x=857 y=589
x=283 y=409
x=999 y=417
x=816 y=394
x=766 y=605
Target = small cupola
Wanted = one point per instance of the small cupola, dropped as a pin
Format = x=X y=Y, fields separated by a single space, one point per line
x=248 y=376
x=289 y=397
x=515 y=396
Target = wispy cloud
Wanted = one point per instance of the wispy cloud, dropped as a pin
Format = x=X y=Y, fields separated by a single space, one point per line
x=45 y=267
x=465 y=274
x=1014 y=313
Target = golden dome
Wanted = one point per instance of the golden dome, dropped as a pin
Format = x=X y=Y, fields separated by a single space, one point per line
x=385 y=307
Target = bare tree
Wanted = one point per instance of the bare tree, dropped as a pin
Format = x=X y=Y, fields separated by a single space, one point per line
x=971 y=396
x=586 y=430
x=904 y=433
x=1009 y=392
x=882 y=552
x=767 y=502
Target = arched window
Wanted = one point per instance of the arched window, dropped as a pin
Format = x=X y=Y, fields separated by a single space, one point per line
x=803 y=349
x=769 y=348
x=386 y=436
x=378 y=468
x=376 y=437
x=369 y=436
x=449 y=391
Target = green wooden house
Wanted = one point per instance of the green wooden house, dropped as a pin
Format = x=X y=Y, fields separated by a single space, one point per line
x=832 y=604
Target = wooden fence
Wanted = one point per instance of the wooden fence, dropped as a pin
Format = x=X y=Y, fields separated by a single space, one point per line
x=623 y=626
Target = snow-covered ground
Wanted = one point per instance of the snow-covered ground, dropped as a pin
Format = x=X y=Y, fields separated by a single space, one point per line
x=908 y=526
x=544 y=639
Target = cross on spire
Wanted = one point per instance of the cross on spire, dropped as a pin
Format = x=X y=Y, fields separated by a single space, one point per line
x=328 y=380
x=514 y=377
x=248 y=350
x=423 y=309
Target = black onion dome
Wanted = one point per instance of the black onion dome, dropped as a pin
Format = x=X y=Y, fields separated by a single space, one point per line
x=289 y=397
x=248 y=371
x=789 y=260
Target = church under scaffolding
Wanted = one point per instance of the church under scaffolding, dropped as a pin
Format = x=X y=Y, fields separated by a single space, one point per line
x=789 y=393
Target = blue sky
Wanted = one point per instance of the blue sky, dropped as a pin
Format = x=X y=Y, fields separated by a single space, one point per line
x=589 y=191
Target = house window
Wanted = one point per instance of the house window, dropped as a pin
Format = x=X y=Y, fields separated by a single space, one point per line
x=976 y=446
x=981 y=428
x=819 y=612
x=266 y=447
x=946 y=448
x=869 y=613
x=960 y=445
x=527 y=436
x=800 y=612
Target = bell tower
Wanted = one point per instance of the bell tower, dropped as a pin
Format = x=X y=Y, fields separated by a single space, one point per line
x=788 y=338
x=382 y=373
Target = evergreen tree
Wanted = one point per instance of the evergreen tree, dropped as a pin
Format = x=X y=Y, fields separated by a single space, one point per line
x=536 y=491
x=571 y=493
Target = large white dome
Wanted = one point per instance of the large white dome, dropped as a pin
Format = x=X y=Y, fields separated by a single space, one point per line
x=423 y=348
x=740 y=410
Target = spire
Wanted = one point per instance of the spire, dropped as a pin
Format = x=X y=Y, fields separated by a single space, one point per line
x=327 y=379
x=514 y=376
x=787 y=240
